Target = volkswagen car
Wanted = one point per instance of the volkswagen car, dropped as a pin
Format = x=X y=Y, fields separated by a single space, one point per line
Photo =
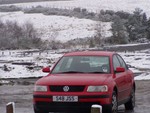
x=80 y=79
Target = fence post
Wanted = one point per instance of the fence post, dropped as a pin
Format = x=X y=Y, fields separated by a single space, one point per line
x=96 y=109
x=10 y=107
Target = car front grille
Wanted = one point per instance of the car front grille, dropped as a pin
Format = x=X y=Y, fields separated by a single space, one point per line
x=69 y=88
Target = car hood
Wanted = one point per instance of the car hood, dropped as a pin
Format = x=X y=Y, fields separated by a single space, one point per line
x=73 y=79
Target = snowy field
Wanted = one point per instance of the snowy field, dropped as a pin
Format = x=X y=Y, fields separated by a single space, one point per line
x=20 y=64
x=16 y=62
x=58 y=27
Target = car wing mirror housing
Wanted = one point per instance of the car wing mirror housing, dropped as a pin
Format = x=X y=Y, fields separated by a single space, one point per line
x=46 y=70
x=120 y=69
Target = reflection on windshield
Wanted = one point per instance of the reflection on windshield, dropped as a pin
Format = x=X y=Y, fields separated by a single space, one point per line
x=83 y=64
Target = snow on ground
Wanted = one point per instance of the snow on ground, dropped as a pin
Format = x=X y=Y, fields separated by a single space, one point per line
x=95 y=5
x=139 y=62
x=10 y=66
x=58 y=27
x=143 y=76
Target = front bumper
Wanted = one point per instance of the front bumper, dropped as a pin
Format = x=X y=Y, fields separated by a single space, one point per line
x=63 y=107
x=45 y=103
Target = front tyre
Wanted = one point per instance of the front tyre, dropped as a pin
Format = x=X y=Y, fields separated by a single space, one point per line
x=39 y=111
x=131 y=103
x=113 y=108
x=114 y=103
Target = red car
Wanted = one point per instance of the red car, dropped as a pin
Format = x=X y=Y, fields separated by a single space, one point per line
x=80 y=79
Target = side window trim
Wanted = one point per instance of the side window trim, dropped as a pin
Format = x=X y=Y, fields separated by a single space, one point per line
x=115 y=56
x=118 y=56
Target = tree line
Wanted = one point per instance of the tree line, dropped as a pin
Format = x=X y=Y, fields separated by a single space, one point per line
x=129 y=28
x=15 y=36
x=21 y=1
x=126 y=28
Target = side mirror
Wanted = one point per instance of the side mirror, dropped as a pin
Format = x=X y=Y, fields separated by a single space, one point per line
x=120 y=69
x=46 y=69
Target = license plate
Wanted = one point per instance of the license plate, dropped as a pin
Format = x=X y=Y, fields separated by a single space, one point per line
x=65 y=98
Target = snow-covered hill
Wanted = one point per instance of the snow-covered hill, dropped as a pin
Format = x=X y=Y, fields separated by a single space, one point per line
x=66 y=28
x=58 y=27
x=95 y=5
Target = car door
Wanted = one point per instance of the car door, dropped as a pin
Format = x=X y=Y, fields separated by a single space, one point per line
x=128 y=78
x=119 y=79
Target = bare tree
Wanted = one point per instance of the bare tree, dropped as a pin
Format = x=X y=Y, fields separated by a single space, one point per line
x=15 y=36
x=100 y=33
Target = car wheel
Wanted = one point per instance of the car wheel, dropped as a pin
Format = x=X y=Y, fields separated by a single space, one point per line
x=36 y=111
x=131 y=103
x=114 y=103
x=113 y=108
x=39 y=111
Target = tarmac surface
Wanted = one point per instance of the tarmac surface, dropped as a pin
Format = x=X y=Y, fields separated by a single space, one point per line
x=21 y=92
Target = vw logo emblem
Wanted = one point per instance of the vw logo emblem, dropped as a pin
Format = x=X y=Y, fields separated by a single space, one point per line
x=66 y=88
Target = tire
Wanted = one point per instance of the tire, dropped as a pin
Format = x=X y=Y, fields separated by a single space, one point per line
x=131 y=103
x=36 y=111
x=39 y=111
x=113 y=108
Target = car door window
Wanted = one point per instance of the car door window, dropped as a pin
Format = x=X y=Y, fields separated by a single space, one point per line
x=122 y=62
x=116 y=62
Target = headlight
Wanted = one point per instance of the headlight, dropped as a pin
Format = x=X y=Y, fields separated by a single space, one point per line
x=40 y=88
x=97 y=88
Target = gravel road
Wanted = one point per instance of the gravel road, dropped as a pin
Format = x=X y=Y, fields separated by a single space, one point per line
x=22 y=96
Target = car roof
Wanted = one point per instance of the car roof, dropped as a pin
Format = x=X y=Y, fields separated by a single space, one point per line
x=90 y=53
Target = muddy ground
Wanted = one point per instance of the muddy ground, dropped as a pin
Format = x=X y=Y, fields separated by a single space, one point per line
x=21 y=94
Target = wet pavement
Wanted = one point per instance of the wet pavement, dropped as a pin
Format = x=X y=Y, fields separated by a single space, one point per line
x=22 y=96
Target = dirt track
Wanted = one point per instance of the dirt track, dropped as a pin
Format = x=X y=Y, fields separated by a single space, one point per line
x=22 y=96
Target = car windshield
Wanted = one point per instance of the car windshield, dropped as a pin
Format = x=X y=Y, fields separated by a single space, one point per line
x=83 y=64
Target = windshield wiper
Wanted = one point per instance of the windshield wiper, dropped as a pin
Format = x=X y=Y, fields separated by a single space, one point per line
x=72 y=72
x=81 y=72
x=97 y=72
